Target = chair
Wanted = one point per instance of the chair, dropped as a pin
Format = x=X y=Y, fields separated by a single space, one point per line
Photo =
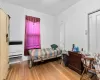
x=88 y=68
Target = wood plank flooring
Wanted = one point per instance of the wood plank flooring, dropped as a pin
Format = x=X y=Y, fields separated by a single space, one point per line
x=45 y=71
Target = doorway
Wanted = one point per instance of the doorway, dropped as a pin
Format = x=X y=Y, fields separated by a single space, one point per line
x=94 y=31
x=62 y=35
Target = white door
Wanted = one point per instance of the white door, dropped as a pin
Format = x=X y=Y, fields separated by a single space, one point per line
x=94 y=32
x=62 y=37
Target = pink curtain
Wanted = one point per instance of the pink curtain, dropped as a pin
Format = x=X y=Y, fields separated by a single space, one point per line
x=32 y=33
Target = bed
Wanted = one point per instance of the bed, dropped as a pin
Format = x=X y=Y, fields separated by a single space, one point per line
x=37 y=55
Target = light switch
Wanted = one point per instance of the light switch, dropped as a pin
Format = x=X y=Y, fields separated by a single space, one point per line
x=86 y=32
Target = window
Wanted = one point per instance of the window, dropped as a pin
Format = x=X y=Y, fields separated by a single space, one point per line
x=32 y=33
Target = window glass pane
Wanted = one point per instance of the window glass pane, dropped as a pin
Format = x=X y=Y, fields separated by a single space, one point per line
x=32 y=35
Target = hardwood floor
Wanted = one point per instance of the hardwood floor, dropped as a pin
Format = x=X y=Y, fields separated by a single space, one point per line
x=45 y=71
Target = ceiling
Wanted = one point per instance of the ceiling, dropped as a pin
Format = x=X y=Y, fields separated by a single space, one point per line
x=52 y=7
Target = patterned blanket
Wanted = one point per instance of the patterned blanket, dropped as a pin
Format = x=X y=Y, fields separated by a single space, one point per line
x=44 y=53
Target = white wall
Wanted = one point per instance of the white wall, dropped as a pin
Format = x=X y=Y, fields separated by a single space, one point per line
x=75 y=19
x=76 y=22
x=17 y=26
x=46 y=26
x=0 y=3
x=56 y=30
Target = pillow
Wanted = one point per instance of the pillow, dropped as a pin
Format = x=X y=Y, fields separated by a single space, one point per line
x=54 y=46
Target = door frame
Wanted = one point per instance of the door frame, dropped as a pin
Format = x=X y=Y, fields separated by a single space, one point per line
x=63 y=23
x=88 y=36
